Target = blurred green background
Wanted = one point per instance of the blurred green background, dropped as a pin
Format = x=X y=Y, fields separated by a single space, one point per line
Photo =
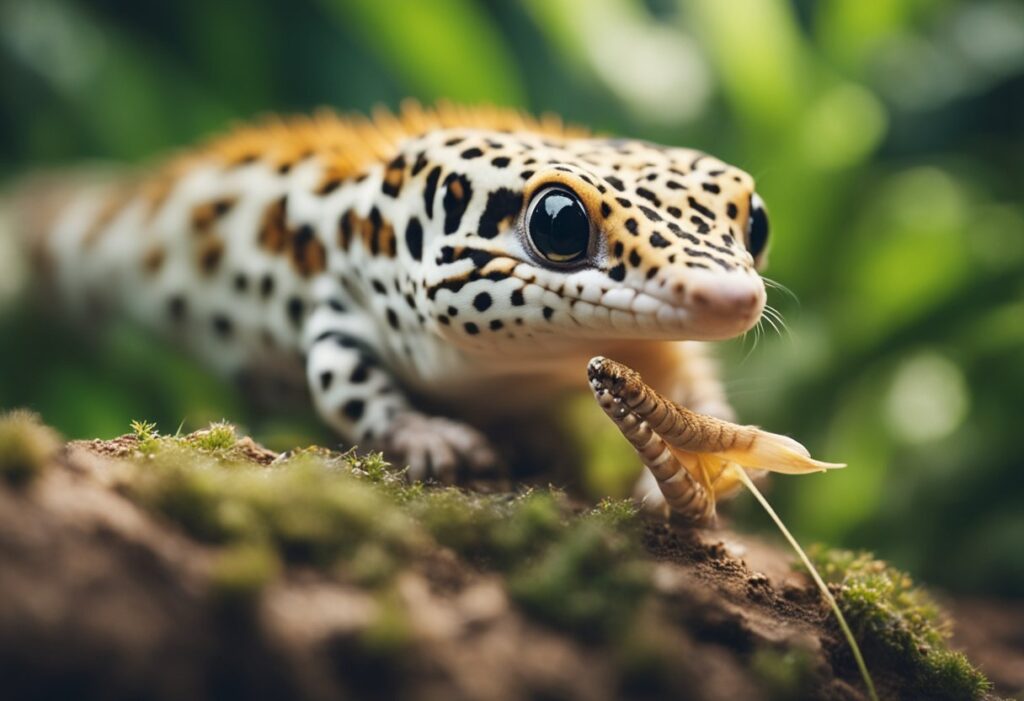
x=886 y=137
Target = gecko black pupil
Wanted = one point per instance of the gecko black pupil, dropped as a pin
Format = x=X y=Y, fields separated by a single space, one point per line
x=559 y=227
x=757 y=228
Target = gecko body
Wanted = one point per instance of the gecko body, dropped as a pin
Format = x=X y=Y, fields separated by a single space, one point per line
x=472 y=257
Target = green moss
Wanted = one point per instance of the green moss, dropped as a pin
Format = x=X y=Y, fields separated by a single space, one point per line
x=356 y=517
x=622 y=513
x=898 y=625
x=25 y=447
x=589 y=580
x=241 y=571
x=389 y=632
x=219 y=436
x=785 y=675
x=309 y=509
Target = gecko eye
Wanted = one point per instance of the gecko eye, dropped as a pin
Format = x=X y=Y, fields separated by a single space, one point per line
x=757 y=228
x=558 y=226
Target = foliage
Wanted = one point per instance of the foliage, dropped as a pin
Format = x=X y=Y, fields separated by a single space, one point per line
x=885 y=138
x=898 y=625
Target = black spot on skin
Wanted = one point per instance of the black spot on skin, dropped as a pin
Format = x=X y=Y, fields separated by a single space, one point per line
x=329 y=186
x=678 y=231
x=711 y=187
x=502 y=204
x=420 y=164
x=452 y=311
x=674 y=211
x=336 y=305
x=701 y=208
x=634 y=258
x=659 y=241
x=444 y=320
x=455 y=141
x=631 y=226
x=702 y=226
x=548 y=313
x=376 y=222
x=616 y=183
x=496 y=324
x=379 y=287
x=652 y=272
x=392 y=318
x=360 y=373
x=673 y=185
x=731 y=210
x=606 y=210
x=526 y=174
x=266 y=286
x=471 y=328
x=482 y=302
x=430 y=189
x=414 y=238
x=618 y=273
x=353 y=409
x=517 y=298
x=177 y=308
x=500 y=162
x=648 y=195
x=296 y=308
x=471 y=153
x=650 y=213
x=222 y=326
x=457 y=195
x=326 y=378
x=393 y=176
x=624 y=202
x=241 y=282
x=617 y=249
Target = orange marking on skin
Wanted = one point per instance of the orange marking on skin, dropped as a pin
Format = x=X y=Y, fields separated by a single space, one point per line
x=154 y=258
x=349 y=145
x=211 y=252
x=110 y=208
x=308 y=255
x=273 y=232
x=205 y=215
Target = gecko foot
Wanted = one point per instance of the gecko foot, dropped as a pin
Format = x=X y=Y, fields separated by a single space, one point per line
x=438 y=448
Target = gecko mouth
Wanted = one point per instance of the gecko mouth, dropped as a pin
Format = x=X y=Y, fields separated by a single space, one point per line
x=629 y=310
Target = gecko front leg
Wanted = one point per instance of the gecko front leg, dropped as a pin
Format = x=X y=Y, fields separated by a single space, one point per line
x=357 y=396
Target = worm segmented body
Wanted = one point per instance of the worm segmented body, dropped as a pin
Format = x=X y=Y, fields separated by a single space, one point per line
x=694 y=457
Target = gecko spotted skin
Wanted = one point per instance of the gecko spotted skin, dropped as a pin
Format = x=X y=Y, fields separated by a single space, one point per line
x=466 y=259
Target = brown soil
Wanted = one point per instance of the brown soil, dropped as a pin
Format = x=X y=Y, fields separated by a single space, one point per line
x=101 y=600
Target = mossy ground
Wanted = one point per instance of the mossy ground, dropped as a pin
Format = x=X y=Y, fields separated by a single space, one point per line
x=25 y=447
x=899 y=626
x=355 y=516
x=634 y=608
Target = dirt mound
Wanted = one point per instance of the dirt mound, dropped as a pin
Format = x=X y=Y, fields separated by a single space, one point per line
x=206 y=568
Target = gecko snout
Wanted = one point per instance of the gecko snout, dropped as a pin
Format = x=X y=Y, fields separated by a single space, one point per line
x=722 y=304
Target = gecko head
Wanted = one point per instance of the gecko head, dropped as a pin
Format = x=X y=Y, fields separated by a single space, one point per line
x=583 y=238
